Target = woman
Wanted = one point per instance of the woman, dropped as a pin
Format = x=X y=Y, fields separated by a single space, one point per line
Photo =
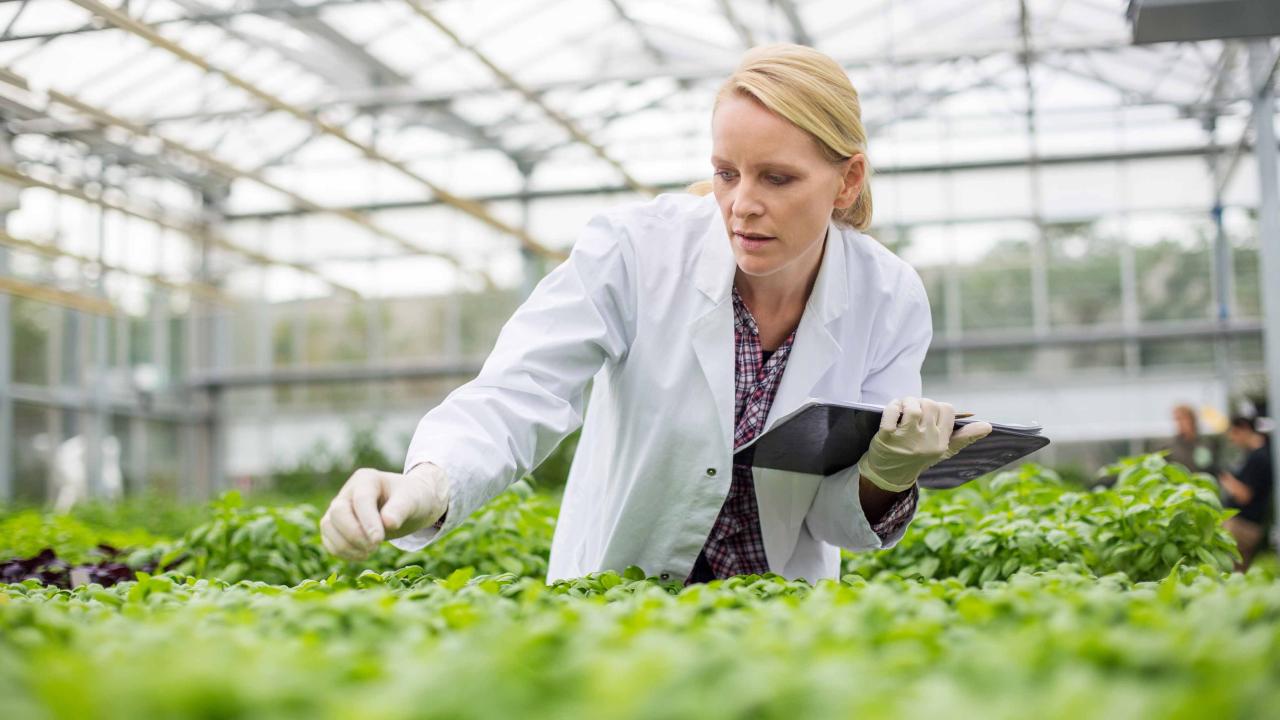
x=701 y=317
x=1249 y=489
x=1188 y=447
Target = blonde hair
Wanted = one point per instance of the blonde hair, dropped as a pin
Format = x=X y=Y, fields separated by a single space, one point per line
x=812 y=92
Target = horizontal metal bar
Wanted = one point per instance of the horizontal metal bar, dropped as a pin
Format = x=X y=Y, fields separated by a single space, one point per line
x=214 y=18
x=974 y=166
x=452 y=367
x=204 y=290
x=55 y=296
x=16 y=176
x=70 y=398
x=1198 y=330
x=469 y=367
x=686 y=75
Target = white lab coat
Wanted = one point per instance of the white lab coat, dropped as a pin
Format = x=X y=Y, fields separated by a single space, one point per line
x=643 y=305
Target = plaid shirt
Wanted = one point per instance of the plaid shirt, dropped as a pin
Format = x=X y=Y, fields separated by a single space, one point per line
x=735 y=545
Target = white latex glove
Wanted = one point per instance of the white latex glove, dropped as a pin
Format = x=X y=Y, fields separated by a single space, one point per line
x=374 y=506
x=915 y=434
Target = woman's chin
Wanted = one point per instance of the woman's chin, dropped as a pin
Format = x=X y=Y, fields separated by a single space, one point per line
x=757 y=266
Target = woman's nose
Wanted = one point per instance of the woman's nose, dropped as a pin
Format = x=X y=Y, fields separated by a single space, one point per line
x=746 y=201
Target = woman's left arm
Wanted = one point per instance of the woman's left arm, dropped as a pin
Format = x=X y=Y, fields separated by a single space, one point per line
x=875 y=501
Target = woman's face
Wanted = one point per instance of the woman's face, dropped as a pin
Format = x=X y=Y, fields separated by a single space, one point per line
x=775 y=188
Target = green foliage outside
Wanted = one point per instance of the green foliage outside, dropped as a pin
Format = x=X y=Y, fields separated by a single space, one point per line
x=323 y=470
x=157 y=515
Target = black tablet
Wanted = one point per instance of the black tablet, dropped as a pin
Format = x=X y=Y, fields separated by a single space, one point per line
x=822 y=438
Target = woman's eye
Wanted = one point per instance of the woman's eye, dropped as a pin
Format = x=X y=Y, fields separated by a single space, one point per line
x=777 y=179
x=724 y=175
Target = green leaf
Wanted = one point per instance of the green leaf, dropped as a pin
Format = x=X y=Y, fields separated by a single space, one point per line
x=937 y=537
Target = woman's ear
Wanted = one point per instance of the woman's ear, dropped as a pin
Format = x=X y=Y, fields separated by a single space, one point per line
x=853 y=173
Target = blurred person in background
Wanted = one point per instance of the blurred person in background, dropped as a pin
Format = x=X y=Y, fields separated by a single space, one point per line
x=1249 y=488
x=71 y=474
x=692 y=312
x=1188 y=447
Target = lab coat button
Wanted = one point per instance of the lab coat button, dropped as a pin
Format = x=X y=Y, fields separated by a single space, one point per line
x=711 y=472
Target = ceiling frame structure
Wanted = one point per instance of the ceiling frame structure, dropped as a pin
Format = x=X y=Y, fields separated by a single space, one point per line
x=365 y=87
x=144 y=31
x=229 y=172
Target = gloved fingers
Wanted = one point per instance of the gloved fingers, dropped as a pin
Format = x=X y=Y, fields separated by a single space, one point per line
x=401 y=504
x=367 y=491
x=946 y=418
x=342 y=520
x=892 y=413
x=912 y=412
x=324 y=538
x=337 y=547
x=928 y=414
x=336 y=541
x=968 y=435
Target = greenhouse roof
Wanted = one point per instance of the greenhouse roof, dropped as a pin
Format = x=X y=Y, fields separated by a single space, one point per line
x=277 y=108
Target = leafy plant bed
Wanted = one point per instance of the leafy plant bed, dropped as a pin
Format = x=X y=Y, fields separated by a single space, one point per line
x=1058 y=644
x=1155 y=516
x=1014 y=597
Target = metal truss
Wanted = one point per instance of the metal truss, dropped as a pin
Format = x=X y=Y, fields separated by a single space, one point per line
x=144 y=31
x=362 y=86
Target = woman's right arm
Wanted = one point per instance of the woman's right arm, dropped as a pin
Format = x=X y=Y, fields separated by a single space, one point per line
x=528 y=396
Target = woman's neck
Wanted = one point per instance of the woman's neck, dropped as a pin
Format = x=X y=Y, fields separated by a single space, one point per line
x=781 y=293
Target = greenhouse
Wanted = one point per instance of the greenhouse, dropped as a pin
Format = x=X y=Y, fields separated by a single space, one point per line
x=396 y=358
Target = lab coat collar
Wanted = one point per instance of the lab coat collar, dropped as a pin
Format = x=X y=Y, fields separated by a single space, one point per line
x=829 y=298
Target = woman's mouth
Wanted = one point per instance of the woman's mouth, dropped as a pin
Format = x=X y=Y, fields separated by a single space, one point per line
x=753 y=241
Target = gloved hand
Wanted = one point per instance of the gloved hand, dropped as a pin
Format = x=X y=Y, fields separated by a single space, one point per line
x=374 y=505
x=915 y=434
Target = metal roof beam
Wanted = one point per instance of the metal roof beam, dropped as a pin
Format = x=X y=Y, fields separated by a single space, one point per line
x=475 y=210
x=739 y=27
x=215 y=17
x=973 y=166
x=799 y=35
x=18 y=177
x=320 y=61
x=230 y=172
x=42 y=292
x=385 y=97
x=226 y=170
x=606 y=120
x=654 y=52
x=528 y=94
x=1257 y=87
x=48 y=250
x=378 y=74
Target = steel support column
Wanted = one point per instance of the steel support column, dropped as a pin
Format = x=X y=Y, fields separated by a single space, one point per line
x=211 y=339
x=6 y=377
x=1261 y=62
x=8 y=202
x=95 y=428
